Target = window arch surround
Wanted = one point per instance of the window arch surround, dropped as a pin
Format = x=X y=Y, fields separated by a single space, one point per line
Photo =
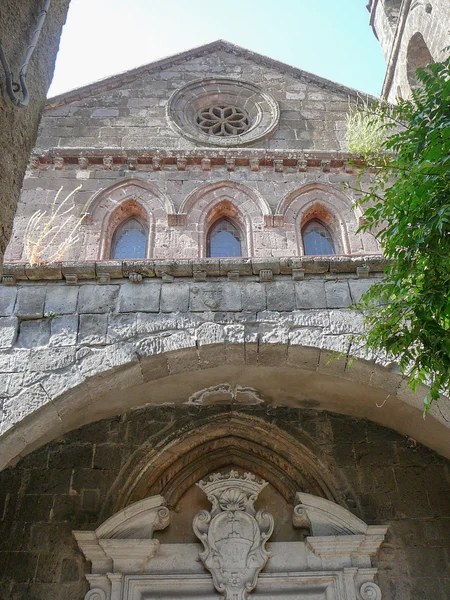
x=225 y=199
x=130 y=240
x=417 y=56
x=129 y=197
x=327 y=205
x=317 y=238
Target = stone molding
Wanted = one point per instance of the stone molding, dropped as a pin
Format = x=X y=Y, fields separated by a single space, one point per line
x=326 y=518
x=122 y=269
x=118 y=158
x=261 y=109
x=125 y=541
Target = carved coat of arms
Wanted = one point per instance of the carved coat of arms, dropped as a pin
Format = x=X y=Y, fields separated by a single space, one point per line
x=233 y=534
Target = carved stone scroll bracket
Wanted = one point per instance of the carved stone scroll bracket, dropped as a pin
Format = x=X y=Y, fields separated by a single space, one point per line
x=96 y=594
x=122 y=544
x=233 y=534
x=370 y=591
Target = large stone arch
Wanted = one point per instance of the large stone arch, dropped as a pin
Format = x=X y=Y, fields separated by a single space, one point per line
x=136 y=196
x=180 y=369
x=187 y=453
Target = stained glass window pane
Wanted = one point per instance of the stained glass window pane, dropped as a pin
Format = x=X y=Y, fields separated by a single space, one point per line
x=130 y=240
x=317 y=239
x=223 y=240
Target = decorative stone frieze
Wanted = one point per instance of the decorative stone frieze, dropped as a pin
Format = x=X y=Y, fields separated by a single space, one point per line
x=108 y=162
x=233 y=534
x=265 y=275
x=132 y=163
x=58 y=162
x=255 y=159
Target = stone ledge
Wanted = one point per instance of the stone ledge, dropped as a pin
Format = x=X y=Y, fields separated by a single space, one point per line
x=252 y=158
x=117 y=269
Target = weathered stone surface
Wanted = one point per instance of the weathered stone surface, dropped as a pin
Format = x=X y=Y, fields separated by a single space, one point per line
x=280 y=296
x=92 y=329
x=30 y=302
x=358 y=287
x=310 y=294
x=64 y=330
x=34 y=333
x=254 y=297
x=19 y=126
x=49 y=359
x=221 y=297
x=61 y=300
x=97 y=298
x=337 y=294
x=142 y=298
x=175 y=297
x=8 y=331
x=7 y=300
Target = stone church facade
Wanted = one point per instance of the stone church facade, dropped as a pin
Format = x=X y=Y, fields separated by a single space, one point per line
x=172 y=422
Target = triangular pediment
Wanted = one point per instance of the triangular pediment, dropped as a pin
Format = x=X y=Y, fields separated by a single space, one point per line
x=218 y=46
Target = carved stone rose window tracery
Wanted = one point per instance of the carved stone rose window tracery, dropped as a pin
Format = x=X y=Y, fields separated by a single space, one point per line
x=222 y=112
x=223 y=120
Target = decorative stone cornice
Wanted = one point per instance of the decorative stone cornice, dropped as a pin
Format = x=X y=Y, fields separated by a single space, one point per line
x=202 y=158
x=72 y=271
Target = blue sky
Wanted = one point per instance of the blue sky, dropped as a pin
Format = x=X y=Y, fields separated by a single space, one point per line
x=331 y=38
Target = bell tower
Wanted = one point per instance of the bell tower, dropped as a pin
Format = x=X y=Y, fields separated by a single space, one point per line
x=412 y=34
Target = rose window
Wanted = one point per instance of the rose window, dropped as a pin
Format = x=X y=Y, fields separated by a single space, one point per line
x=223 y=120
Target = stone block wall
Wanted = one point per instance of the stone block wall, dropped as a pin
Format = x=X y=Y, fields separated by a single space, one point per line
x=18 y=126
x=130 y=110
x=54 y=336
x=273 y=195
x=73 y=482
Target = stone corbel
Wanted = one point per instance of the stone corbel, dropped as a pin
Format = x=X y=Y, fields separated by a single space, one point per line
x=122 y=544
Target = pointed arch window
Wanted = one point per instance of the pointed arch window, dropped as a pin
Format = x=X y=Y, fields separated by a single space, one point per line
x=223 y=240
x=130 y=240
x=317 y=238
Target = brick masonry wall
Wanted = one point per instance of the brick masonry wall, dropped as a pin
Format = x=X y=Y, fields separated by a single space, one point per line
x=66 y=485
x=18 y=126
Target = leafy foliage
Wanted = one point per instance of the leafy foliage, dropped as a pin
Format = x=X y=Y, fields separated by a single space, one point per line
x=408 y=312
